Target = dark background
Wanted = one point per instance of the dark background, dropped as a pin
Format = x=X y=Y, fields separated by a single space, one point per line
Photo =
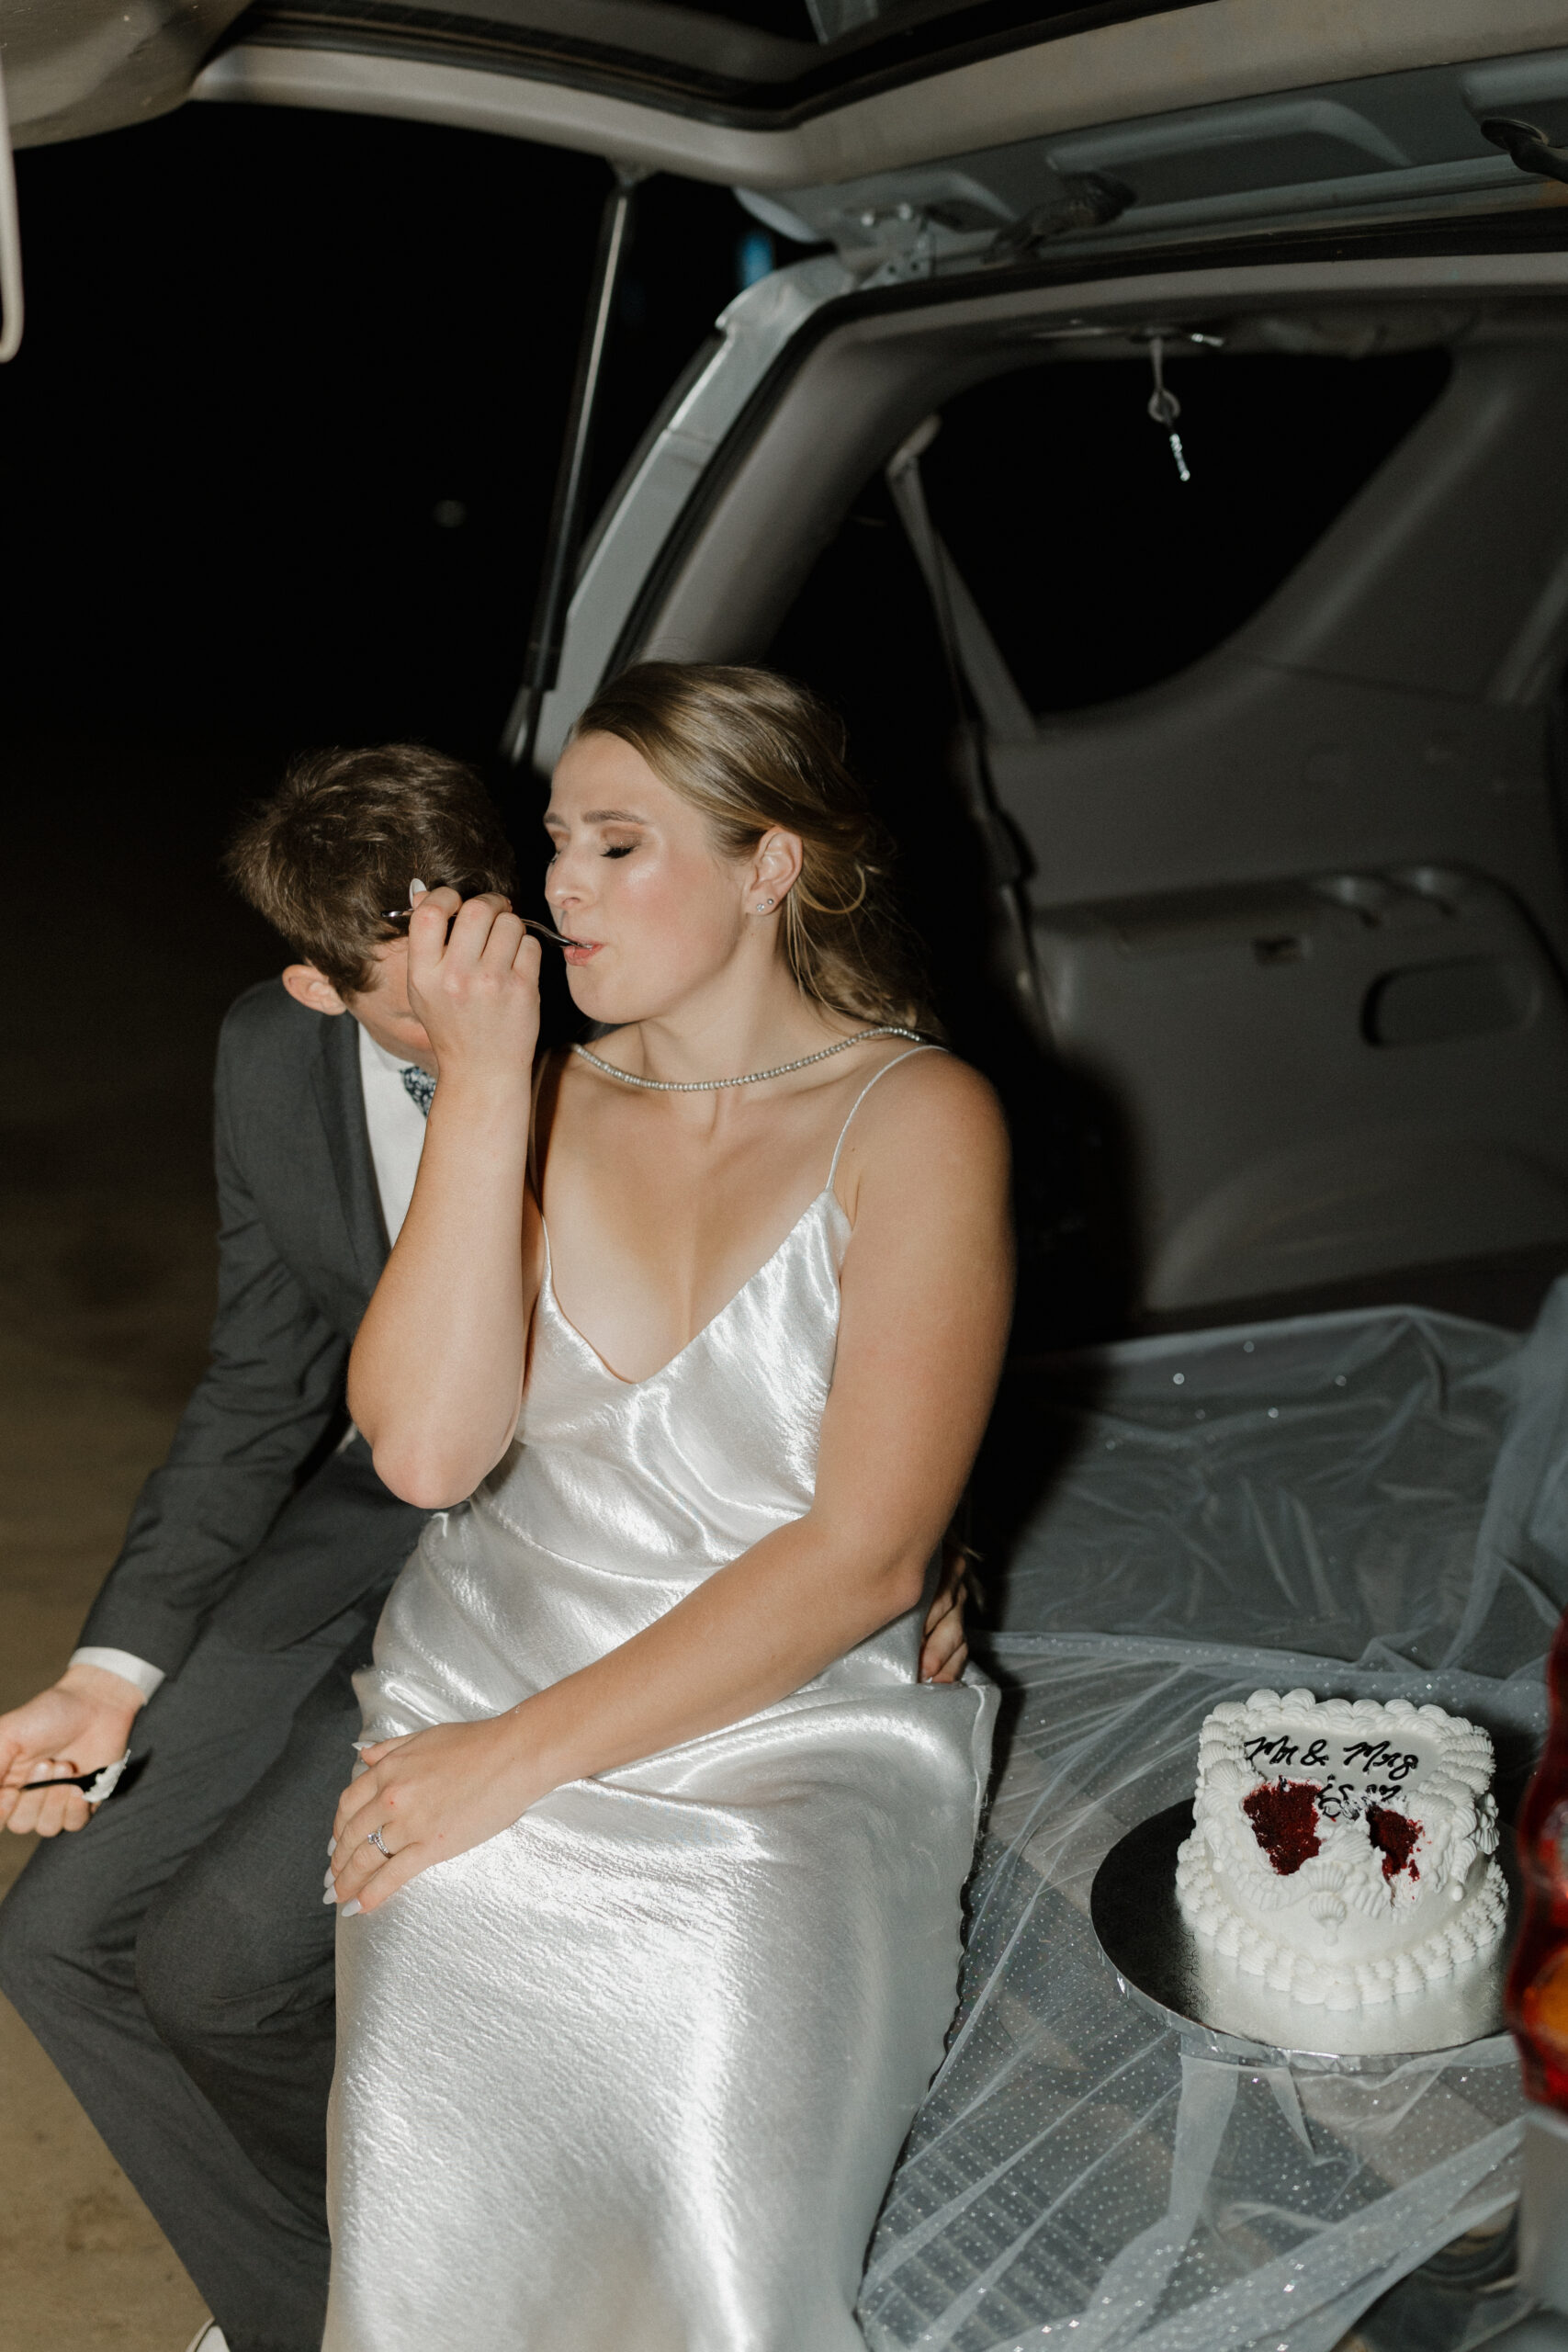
x=276 y=463
x=280 y=440
x=278 y=455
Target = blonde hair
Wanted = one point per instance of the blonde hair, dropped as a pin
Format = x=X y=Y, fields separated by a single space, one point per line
x=753 y=749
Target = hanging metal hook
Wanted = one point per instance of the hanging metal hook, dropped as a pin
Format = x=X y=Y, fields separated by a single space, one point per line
x=1164 y=408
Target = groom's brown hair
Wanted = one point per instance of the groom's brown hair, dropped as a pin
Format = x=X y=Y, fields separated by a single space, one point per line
x=345 y=833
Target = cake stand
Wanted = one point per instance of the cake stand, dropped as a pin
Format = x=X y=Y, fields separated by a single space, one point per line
x=1164 y=1967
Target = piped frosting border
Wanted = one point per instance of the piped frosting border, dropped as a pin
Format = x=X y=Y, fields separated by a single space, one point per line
x=1457 y=1820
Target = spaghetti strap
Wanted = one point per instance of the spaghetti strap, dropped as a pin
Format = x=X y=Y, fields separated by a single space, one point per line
x=860 y=1098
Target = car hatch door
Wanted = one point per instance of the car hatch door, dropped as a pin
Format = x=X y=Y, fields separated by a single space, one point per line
x=780 y=94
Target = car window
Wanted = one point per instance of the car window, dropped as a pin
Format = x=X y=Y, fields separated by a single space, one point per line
x=1099 y=568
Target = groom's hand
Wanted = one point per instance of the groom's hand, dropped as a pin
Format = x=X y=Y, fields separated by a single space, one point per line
x=79 y=1725
x=946 y=1647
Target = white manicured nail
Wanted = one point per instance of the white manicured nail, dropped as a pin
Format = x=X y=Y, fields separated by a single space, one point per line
x=349 y=1911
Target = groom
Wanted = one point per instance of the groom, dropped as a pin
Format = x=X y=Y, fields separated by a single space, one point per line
x=177 y=1959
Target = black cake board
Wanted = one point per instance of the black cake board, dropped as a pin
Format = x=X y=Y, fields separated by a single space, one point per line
x=1164 y=1967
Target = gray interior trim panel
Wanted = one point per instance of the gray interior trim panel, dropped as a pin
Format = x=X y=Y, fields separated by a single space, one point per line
x=1217 y=49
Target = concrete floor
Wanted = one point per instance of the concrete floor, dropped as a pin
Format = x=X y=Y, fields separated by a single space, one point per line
x=122 y=950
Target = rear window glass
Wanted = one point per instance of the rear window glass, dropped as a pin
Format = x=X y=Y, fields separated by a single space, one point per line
x=1099 y=568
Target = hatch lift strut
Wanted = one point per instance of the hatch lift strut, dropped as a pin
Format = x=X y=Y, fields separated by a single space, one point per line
x=565 y=537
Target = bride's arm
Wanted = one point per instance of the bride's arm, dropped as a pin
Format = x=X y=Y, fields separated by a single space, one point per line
x=926 y=1296
x=436 y=1378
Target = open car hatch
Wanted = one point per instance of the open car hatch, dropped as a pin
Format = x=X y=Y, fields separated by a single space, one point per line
x=1295 y=908
x=781 y=94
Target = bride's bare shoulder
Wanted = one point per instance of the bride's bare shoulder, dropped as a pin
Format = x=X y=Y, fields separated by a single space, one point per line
x=932 y=1121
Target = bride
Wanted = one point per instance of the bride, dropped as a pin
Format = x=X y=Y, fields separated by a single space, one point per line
x=651 y=1869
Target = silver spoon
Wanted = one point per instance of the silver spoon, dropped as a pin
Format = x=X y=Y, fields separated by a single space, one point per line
x=529 y=922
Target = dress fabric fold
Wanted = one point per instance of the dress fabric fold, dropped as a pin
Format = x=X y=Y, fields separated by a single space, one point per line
x=633 y=2075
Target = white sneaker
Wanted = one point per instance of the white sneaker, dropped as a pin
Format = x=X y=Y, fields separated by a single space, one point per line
x=208 y=2337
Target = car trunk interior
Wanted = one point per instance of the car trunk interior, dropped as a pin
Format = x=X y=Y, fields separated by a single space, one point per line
x=1274 y=801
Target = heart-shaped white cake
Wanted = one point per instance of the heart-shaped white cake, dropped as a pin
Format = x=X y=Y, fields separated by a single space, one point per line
x=1343 y=1851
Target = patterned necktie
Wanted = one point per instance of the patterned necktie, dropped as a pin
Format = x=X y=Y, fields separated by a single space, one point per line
x=420 y=1084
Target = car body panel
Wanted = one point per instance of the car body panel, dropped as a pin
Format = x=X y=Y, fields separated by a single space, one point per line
x=81 y=65
x=74 y=67
x=1390 y=142
x=1219 y=50
x=755 y=331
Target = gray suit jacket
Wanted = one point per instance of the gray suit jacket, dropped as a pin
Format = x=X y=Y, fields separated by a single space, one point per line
x=226 y=1526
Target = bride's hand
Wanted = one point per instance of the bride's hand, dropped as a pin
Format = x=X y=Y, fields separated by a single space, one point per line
x=431 y=1794
x=475 y=986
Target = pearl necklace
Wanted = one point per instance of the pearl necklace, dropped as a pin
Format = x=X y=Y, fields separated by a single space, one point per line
x=752 y=1077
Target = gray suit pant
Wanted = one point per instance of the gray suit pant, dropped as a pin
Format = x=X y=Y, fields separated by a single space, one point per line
x=175 y=1957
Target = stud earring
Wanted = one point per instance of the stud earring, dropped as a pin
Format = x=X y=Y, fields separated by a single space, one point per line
x=766 y=904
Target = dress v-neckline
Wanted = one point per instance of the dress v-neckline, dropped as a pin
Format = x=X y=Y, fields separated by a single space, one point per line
x=827 y=1194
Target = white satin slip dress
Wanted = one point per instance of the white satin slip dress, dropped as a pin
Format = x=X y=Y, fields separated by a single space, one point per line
x=633 y=2075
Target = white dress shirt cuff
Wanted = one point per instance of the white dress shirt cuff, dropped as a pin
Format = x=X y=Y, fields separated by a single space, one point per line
x=122 y=1662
